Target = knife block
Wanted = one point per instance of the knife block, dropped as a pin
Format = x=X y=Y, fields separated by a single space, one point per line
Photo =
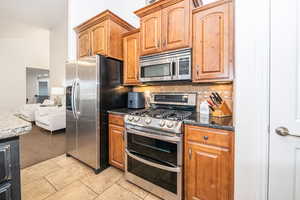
x=222 y=111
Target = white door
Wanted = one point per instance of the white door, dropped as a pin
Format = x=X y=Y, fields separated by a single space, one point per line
x=285 y=100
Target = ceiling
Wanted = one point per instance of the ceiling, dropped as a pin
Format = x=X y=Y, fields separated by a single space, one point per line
x=39 y=13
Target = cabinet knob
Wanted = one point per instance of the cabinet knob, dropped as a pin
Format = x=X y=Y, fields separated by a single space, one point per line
x=205 y=137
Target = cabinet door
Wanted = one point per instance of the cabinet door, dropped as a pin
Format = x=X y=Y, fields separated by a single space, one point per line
x=208 y=173
x=99 y=39
x=176 y=26
x=151 y=33
x=5 y=163
x=131 y=59
x=84 y=44
x=212 y=44
x=116 y=146
x=5 y=192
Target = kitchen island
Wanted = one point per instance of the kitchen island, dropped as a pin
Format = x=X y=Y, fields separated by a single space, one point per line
x=11 y=127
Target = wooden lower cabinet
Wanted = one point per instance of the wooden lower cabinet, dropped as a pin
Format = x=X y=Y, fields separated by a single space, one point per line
x=116 y=142
x=208 y=168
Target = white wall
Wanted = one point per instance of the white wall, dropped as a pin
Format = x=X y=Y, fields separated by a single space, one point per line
x=58 y=54
x=79 y=11
x=252 y=36
x=18 y=50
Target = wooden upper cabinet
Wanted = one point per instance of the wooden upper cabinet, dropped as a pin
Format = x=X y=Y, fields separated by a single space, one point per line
x=208 y=163
x=165 y=25
x=176 y=26
x=151 y=33
x=213 y=42
x=84 y=43
x=99 y=37
x=102 y=34
x=131 y=45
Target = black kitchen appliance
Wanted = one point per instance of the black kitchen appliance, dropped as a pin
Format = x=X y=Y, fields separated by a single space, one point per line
x=136 y=100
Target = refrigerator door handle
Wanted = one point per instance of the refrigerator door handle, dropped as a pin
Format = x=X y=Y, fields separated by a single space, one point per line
x=77 y=84
x=73 y=98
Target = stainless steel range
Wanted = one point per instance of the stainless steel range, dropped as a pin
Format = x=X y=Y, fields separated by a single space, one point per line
x=154 y=144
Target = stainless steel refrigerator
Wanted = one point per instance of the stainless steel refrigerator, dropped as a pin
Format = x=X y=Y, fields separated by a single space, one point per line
x=93 y=86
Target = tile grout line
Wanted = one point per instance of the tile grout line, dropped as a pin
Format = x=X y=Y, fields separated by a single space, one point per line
x=97 y=194
x=133 y=192
x=103 y=190
x=51 y=186
x=56 y=190
x=65 y=185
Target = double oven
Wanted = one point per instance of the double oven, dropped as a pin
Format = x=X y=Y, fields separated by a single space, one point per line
x=154 y=161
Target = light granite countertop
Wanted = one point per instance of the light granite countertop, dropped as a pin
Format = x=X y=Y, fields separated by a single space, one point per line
x=11 y=126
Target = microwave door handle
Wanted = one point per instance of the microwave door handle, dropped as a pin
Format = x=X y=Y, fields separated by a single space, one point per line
x=170 y=169
x=173 y=68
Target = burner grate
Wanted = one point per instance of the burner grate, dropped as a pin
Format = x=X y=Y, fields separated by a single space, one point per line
x=177 y=115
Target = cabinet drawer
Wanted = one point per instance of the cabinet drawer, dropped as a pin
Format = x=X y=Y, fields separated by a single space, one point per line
x=5 y=162
x=5 y=192
x=116 y=119
x=209 y=136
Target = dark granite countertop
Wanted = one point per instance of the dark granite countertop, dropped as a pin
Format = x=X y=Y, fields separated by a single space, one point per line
x=122 y=111
x=224 y=123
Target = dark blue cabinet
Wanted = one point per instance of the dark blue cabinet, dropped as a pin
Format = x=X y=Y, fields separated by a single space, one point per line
x=5 y=192
x=10 y=169
x=5 y=162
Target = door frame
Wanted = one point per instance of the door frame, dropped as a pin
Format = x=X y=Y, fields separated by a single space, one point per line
x=252 y=99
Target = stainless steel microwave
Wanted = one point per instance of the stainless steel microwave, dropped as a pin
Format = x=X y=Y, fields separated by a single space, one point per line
x=171 y=66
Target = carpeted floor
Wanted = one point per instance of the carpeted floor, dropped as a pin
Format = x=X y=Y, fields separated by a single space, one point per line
x=39 y=145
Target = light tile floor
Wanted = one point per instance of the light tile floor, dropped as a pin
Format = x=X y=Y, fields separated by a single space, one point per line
x=63 y=178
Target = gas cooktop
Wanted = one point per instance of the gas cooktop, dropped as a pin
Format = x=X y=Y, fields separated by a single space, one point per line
x=162 y=114
x=176 y=115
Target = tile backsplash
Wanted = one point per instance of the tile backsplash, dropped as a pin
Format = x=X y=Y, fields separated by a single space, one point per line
x=203 y=91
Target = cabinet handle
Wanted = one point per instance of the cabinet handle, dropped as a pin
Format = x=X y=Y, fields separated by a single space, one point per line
x=158 y=44
x=197 y=68
x=123 y=136
x=164 y=43
x=190 y=154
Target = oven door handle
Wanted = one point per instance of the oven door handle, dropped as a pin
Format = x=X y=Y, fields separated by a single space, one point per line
x=170 y=169
x=154 y=136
